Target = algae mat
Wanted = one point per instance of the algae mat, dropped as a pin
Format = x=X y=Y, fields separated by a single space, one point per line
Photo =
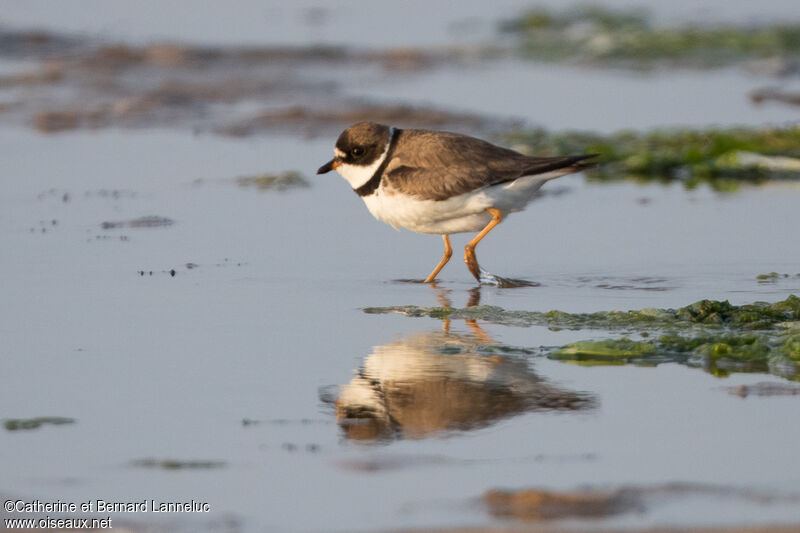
x=714 y=335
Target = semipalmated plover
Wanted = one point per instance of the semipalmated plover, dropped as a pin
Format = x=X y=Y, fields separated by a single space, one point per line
x=430 y=382
x=440 y=182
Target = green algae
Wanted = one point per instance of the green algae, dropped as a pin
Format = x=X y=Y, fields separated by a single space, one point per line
x=714 y=335
x=720 y=157
x=758 y=315
x=280 y=182
x=16 y=424
x=720 y=353
x=629 y=38
x=177 y=464
x=551 y=319
x=608 y=349
x=773 y=277
x=608 y=352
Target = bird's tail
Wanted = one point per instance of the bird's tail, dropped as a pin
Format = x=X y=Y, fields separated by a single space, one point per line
x=580 y=162
x=559 y=166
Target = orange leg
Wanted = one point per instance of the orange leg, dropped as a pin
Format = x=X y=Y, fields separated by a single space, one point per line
x=469 y=249
x=448 y=253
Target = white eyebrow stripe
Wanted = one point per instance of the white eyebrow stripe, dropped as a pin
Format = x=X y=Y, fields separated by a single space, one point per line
x=338 y=153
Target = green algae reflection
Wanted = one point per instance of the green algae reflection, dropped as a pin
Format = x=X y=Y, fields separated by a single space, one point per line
x=714 y=335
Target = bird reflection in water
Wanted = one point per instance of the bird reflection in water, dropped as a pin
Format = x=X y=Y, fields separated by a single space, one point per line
x=432 y=382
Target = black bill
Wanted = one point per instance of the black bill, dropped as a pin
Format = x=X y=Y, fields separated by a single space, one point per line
x=327 y=167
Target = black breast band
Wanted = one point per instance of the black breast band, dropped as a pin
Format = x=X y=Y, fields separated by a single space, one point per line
x=372 y=185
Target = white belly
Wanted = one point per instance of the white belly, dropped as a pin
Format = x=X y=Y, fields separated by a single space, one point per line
x=460 y=214
x=465 y=213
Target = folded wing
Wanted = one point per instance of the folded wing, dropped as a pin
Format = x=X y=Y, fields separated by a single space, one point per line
x=440 y=166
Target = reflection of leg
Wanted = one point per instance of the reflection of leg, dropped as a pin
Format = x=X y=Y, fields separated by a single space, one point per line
x=444 y=301
x=474 y=297
x=441 y=295
x=479 y=332
x=469 y=249
x=448 y=252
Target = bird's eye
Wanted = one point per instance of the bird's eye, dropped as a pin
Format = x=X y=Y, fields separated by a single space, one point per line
x=357 y=151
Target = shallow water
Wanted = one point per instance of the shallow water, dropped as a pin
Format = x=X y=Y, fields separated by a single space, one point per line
x=562 y=97
x=269 y=323
x=349 y=22
x=262 y=320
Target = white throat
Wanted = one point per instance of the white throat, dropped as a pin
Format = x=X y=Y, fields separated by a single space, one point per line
x=358 y=175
